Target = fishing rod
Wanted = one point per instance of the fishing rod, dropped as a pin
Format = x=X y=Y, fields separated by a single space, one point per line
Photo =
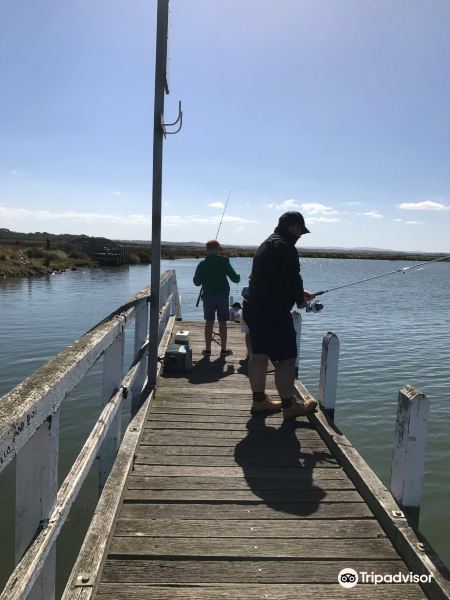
x=317 y=306
x=217 y=236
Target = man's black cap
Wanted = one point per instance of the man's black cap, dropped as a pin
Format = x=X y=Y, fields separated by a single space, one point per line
x=290 y=218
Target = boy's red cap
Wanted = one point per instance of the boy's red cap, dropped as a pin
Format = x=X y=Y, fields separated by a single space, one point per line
x=210 y=244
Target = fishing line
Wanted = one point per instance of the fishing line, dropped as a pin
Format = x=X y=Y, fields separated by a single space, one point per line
x=402 y=270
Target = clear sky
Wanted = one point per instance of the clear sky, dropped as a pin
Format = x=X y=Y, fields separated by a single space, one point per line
x=337 y=108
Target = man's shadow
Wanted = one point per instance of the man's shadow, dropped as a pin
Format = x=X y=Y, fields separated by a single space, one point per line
x=276 y=468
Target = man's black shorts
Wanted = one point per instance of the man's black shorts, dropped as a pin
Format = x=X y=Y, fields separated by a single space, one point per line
x=271 y=334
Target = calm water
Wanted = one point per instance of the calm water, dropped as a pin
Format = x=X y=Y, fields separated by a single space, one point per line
x=393 y=331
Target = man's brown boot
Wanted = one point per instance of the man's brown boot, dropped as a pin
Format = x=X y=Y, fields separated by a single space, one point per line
x=293 y=409
x=265 y=404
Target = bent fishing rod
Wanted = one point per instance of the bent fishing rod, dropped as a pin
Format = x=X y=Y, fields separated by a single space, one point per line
x=217 y=237
x=317 y=306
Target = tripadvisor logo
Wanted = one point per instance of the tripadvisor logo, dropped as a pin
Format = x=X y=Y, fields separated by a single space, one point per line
x=348 y=578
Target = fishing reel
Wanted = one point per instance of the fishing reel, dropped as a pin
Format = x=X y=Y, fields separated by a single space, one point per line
x=314 y=307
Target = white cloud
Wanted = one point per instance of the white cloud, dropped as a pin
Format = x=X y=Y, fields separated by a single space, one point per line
x=216 y=205
x=176 y=220
x=117 y=193
x=373 y=214
x=414 y=222
x=398 y=220
x=316 y=208
x=14 y=172
x=323 y=220
x=307 y=208
x=85 y=217
x=353 y=203
x=425 y=205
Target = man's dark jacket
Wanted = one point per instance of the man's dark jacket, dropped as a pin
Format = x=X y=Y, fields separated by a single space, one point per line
x=275 y=281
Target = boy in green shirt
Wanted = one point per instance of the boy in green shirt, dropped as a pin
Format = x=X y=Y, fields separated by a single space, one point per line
x=212 y=273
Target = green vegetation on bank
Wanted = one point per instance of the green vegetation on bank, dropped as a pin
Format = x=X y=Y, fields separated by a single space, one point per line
x=17 y=261
x=40 y=253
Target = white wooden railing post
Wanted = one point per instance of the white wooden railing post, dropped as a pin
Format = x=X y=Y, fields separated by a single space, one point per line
x=297 y=319
x=112 y=379
x=176 y=298
x=329 y=373
x=36 y=490
x=408 y=458
x=140 y=336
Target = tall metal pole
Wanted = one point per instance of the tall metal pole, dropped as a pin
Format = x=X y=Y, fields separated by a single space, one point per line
x=161 y=87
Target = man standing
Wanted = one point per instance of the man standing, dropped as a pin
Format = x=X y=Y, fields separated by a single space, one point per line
x=275 y=286
x=212 y=273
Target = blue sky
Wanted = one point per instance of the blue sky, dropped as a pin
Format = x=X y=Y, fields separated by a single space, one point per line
x=336 y=108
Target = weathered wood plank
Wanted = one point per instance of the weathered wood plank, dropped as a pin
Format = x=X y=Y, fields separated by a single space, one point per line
x=255 y=548
x=336 y=481
x=315 y=459
x=313 y=494
x=227 y=451
x=256 y=592
x=217 y=426
x=268 y=449
x=207 y=438
x=245 y=571
x=320 y=460
x=225 y=474
x=248 y=472
x=318 y=529
x=326 y=510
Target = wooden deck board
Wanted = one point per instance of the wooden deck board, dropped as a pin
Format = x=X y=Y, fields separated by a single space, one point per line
x=224 y=505
x=256 y=592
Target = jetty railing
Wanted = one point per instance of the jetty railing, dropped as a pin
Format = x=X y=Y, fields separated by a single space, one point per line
x=29 y=431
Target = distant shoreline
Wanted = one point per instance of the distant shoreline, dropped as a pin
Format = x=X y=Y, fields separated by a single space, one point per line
x=30 y=258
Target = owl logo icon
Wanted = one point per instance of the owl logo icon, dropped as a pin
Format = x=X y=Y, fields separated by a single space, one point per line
x=348 y=578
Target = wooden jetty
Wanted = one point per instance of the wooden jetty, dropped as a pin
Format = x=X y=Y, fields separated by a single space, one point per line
x=201 y=500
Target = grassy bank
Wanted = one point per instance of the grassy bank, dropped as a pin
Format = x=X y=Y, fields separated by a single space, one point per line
x=17 y=261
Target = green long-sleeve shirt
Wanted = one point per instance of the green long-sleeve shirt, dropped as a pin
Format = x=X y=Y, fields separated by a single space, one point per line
x=213 y=272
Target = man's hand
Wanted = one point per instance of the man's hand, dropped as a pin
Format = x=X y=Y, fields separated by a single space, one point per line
x=309 y=296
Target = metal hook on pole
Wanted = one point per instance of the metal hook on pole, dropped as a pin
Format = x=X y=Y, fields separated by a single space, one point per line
x=178 y=120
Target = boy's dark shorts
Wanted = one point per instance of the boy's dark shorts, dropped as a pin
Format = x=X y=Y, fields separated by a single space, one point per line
x=213 y=304
x=272 y=334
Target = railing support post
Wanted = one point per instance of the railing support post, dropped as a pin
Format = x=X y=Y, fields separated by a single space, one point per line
x=36 y=490
x=297 y=319
x=176 y=298
x=140 y=336
x=408 y=458
x=329 y=373
x=112 y=378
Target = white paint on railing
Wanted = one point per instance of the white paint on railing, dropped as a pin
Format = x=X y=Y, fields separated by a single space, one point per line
x=408 y=459
x=112 y=379
x=176 y=297
x=36 y=490
x=329 y=373
x=25 y=573
x=140 y=336
x=297 y=319
x=29 y=430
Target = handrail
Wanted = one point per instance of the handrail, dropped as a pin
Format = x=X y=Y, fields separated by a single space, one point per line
x=29 y=429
